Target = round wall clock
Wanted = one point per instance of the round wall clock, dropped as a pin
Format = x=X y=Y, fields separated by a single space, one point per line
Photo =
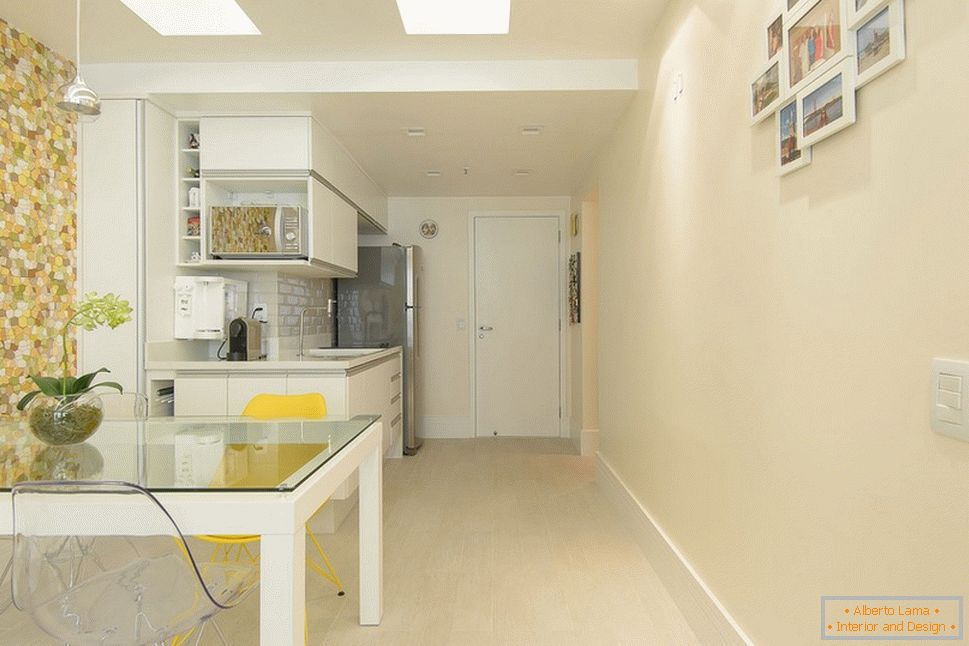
x=428 y=229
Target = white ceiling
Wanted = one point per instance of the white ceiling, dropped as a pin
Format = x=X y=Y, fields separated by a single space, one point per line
x=475 y=129
x=341 y=30
x=480 y=130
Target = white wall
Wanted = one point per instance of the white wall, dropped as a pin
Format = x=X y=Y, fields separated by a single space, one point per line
x=765 y=342
x=445 y=386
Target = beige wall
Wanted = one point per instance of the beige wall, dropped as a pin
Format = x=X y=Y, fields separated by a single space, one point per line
x=765 y=342
x=583 y=337
x=445 y=383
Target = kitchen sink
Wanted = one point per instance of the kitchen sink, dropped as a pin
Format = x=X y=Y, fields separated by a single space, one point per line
x=339 y=354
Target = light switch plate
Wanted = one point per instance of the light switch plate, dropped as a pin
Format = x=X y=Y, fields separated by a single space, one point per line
x=950 y=409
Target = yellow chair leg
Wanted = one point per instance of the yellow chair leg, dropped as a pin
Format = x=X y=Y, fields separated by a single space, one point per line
x=329 y=573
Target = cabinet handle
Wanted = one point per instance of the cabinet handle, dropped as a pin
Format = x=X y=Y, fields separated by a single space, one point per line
x=395 y=398
x=397 y=419
x=395 y=377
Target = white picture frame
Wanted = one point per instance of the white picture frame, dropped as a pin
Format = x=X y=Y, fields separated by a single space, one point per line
x=777 y=22
x=786 y=129
x=767 y=91
x=826 y=20
x=858 y=11
x=887 y=18
x=792 y=7
x=818 y=116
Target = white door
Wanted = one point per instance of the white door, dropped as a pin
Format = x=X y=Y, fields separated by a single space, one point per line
x=516 y=325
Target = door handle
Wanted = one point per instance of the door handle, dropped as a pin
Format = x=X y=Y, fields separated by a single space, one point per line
x=486 y=328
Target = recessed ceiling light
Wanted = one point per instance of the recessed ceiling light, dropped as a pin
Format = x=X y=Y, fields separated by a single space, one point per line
x=455 y=16
x=433 y=173
x=194 y=17
x=415 y=132
x=521 y=172
x=531 y=131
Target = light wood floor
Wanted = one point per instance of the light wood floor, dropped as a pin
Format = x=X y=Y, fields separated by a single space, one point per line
x=492 y=541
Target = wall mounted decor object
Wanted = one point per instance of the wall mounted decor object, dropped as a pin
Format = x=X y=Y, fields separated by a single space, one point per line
x=428 y=229
x=790 y=155
x=816 y=41
x=879 y=37
x=775 y=35
x=575 y=288
x=827 y=105
x=765 y=92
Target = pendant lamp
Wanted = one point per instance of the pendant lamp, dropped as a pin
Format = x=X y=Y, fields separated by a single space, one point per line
x=76 y=96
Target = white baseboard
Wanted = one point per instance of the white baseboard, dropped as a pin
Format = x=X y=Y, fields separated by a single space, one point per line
x=707 y=617
x=443 y=427
x=589 y=441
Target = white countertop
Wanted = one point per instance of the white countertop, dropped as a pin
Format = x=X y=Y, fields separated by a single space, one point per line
x=286 y=364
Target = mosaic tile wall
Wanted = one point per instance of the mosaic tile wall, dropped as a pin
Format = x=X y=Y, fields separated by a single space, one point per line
x=37 y=225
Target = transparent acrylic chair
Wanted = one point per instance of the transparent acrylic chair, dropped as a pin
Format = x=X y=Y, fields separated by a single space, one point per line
x=139 y=585
x=6 y=564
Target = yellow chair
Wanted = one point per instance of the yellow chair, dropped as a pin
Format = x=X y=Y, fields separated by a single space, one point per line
x=309 y=406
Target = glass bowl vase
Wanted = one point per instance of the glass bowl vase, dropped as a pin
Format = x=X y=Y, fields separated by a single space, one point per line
x=61 y=420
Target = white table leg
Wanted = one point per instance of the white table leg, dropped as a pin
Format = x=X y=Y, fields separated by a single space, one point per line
x=371 y=538
x=282 y=601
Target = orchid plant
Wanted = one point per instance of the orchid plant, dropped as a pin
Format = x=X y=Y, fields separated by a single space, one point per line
x=92 y=312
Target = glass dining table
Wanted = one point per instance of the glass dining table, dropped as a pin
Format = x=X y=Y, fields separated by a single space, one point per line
x=228 y=475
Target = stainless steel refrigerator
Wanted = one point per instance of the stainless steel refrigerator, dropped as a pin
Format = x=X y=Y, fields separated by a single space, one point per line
x=380 y=308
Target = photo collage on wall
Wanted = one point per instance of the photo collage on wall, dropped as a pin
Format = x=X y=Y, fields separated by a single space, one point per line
x=819 y=52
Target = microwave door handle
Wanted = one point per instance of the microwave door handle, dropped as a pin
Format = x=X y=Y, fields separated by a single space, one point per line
x=278 y=229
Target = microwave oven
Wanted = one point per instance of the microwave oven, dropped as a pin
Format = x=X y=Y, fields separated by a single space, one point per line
x=268 y=231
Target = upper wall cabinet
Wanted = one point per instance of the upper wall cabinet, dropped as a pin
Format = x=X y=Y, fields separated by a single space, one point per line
x=255 y=143
x=289 y=144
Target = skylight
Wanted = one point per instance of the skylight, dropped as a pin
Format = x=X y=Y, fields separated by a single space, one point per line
x=455 y=16
x=194 y=17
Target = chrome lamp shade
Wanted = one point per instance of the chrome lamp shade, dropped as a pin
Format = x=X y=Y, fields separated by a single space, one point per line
x=78 y=97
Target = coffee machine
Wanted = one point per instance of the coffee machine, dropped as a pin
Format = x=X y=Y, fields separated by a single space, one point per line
x=245 y=340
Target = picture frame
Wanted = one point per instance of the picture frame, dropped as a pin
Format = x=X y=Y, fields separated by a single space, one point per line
x=879 y=41
x=816 y=39
x=575 y=288
x=790 y=154
x=775 y=35
x=827 y=105
x=766 y=91
x=794 y=6
x=858 y=11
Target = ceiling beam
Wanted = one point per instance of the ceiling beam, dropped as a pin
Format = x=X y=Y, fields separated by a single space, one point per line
x=137 y=79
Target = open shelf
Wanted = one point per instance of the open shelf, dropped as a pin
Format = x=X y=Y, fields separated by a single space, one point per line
x=189 y=162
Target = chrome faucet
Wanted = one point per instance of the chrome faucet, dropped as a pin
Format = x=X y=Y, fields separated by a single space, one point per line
x=302 y=317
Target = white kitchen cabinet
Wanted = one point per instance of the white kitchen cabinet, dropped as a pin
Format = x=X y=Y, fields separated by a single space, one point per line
x=335 y=165
x=295 y=144
x=254 y=143
x=242 y=388
x=333 y=229
x=201 y=395
x=378 y=390
x=373 y=388
x=332 y=387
